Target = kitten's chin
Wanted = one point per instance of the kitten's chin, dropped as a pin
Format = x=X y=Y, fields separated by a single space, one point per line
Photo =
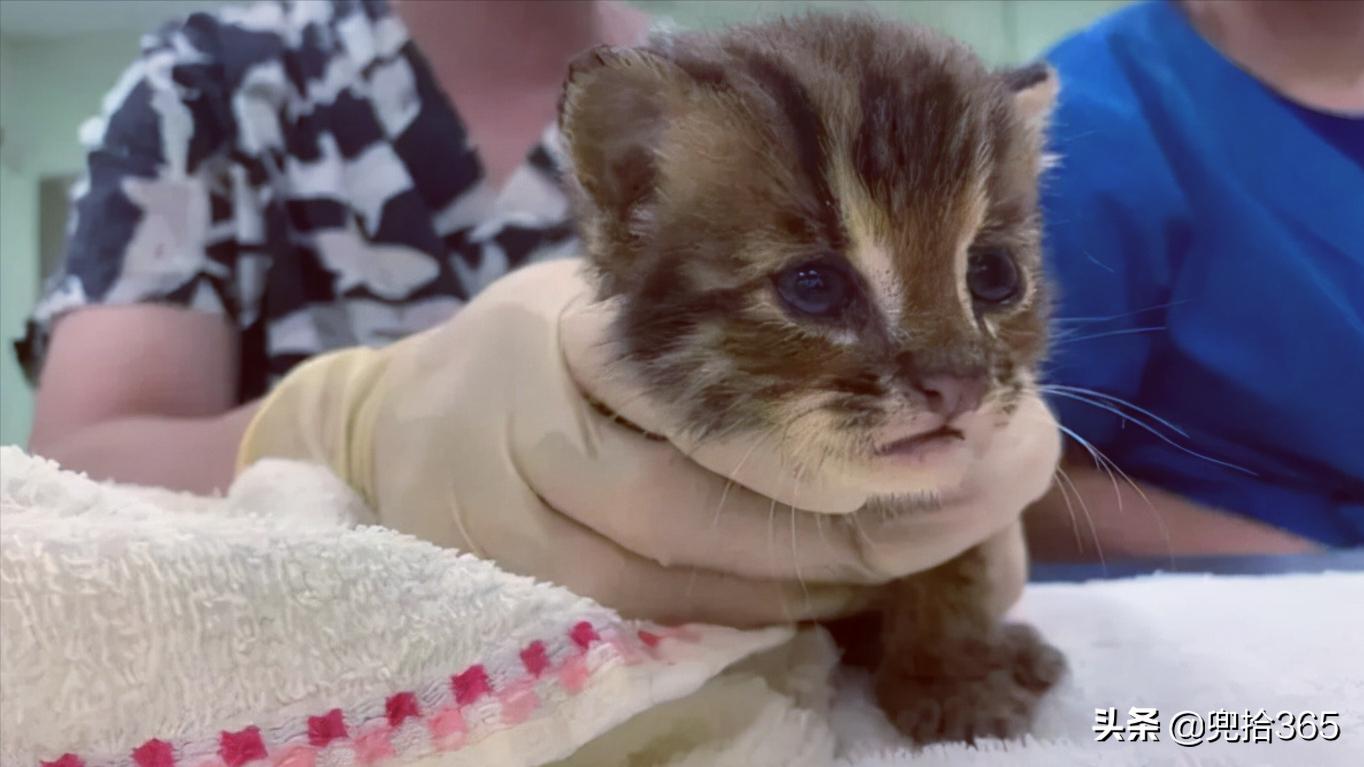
x=931 y=465
x=981 y=446
x=918 y=456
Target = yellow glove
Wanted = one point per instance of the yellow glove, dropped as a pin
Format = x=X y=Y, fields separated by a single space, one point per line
x=477 y=435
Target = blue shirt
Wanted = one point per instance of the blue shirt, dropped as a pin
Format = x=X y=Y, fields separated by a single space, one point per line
x=1206 y=237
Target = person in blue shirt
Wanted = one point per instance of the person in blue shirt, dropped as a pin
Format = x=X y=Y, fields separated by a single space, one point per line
x=1205 y=230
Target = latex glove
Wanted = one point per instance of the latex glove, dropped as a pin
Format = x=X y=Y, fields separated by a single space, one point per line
x=476 y=435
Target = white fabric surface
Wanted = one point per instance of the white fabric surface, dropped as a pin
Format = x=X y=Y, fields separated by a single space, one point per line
x=129 y=616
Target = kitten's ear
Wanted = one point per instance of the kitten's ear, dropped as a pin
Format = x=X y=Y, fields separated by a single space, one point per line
x=611 y=117
x=1034 y=87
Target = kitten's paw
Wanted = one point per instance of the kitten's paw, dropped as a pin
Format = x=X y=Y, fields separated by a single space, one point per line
x=969 y=689
x=1036 y=665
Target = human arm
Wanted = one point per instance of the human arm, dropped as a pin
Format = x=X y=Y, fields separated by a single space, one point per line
x=144 y=394
x=136 y=345
x=1092 y=515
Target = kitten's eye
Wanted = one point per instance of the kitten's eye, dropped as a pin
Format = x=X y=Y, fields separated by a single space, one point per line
x=992 y=277
x=815 y=288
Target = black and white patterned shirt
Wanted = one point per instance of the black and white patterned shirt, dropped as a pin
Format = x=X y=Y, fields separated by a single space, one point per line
x=293 y=167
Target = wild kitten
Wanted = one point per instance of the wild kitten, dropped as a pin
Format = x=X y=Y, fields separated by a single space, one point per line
x=829 y=225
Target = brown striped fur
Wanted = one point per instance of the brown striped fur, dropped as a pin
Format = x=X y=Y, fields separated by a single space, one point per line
x=703 y=166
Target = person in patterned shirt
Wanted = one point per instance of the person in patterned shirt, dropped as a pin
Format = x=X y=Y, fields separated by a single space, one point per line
x=274 y=181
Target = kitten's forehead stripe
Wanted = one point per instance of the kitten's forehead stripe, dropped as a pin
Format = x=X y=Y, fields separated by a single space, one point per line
x=807 y=129
x=868 y=249
x=874 y=157
x=878 y=269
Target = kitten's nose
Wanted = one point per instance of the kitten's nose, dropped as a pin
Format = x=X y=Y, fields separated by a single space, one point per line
x=952 y=395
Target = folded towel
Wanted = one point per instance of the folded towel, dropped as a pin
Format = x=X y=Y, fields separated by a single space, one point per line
x=145 y=628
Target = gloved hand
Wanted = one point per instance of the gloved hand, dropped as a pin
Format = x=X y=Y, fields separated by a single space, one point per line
x=477 y=435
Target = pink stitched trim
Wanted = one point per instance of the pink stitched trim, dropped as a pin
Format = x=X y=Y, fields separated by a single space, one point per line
x=534 y=658
x=584 y=635
x=154 y=753
x=400 y=707
x=470 y=685
x=324 y=729
x=238 y=748
x=372 y=742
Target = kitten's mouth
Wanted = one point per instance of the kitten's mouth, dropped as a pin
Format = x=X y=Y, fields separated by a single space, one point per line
x=913 y=445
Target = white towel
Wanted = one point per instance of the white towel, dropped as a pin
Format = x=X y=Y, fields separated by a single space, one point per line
x=274 y=627
x=145 y=628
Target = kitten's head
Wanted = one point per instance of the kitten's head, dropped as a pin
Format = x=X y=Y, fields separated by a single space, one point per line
x=822 y=229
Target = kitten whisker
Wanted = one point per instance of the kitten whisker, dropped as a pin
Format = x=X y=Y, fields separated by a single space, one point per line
x=1101 y=461
x=772 y=556
x=1155 y=513
x=1070 y=509
x=819 y=527
x=1061 y=338
x=1124 y=315
x=724 y=495
x=857 y=524
x=795 y=553
x=795 y=559
x=1089 y=518
x=1152 y=430
x=1061 y=390
x=729 y=484
x=1110 y=466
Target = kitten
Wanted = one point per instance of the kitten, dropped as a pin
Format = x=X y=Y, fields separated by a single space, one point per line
x=832 y=221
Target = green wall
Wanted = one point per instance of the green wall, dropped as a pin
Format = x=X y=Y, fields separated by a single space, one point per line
x=1002 y=31
x=47 y=89
x=49 y=86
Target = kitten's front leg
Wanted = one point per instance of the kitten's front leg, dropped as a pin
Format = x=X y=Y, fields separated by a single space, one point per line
x=950 y=668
